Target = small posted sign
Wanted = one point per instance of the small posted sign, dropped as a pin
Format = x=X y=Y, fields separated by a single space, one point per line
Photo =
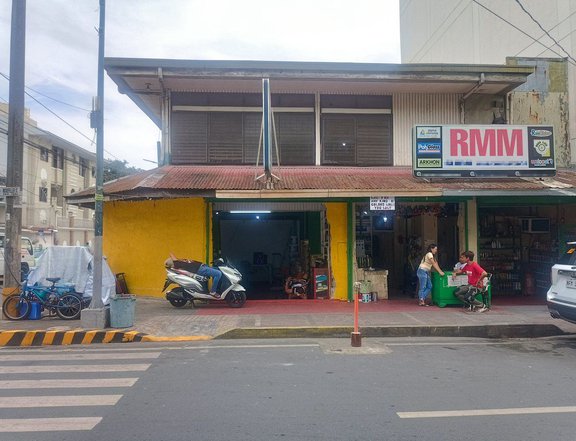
x=382 y=203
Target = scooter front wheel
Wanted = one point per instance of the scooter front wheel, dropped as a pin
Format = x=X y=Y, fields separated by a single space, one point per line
x=236 y=299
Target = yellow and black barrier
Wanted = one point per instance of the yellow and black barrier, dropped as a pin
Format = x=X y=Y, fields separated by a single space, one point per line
x=80 y=337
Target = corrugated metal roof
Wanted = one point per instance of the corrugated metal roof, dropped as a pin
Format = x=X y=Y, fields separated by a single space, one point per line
x=191 y=179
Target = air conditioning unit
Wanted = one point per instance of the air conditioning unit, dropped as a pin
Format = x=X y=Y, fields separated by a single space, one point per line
x=535 y=225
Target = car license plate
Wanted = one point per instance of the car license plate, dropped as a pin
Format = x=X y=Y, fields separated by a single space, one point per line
x=571 y=283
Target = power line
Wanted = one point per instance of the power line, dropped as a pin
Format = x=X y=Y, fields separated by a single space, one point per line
x=435 y=37
x=49 y=133
x=563 y=38
x=552 y=28
x=49 y=97
x=52 y=112
x=520 y=30
x=545 y=31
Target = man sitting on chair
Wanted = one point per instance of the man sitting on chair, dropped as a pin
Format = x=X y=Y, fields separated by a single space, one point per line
x=475 y=276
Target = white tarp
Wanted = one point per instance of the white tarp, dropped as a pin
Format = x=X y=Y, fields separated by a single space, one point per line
x=73 y=265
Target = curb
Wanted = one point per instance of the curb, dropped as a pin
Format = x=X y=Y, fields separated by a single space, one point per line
x=82 y=337
x=481 y=331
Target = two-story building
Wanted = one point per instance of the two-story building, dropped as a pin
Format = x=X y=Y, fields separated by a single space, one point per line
x=342 y=139
x=52 y=168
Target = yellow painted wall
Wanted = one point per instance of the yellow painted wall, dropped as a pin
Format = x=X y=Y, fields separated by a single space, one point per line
x=337 y=216
x=138 y=236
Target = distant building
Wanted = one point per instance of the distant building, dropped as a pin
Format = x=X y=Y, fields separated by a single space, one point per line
x=453 y=31
x=53 y=167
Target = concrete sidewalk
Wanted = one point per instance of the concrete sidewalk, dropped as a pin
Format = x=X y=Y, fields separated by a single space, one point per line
x=156 y=320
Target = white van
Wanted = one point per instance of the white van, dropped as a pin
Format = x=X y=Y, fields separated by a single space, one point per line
x=26 y=255
x=561 y=296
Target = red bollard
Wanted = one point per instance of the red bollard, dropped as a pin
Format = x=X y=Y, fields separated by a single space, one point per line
x=356 y=335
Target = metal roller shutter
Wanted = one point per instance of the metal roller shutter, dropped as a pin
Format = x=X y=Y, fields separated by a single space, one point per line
x=338 y=139
x=189 y=137
x=225 y=138
x=357 y=139
x=295 y=133
x=373 y=140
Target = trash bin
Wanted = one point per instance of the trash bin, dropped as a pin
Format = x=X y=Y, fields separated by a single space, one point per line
x=122 y=309
x=443 y=288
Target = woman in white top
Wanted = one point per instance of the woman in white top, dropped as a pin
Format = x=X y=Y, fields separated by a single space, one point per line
x=428 y=262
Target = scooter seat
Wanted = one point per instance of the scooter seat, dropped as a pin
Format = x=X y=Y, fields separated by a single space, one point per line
x=183 y=272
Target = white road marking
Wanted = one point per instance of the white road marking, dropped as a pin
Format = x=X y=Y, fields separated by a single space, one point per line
x=77 y=356
x=73 y=368
x=47 y=424
x=65 y=383
x=487 y=412
x=58 y=401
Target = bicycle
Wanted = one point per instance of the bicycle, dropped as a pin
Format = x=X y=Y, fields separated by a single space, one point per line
x=63 y=301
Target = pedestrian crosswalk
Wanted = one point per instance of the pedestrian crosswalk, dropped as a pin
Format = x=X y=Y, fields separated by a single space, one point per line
x=45 y=390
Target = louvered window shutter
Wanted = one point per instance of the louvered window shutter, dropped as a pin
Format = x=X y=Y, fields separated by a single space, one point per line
x=373 y=140
x=189 y=137
x=295 y=134
x=339 y=139
x=225 y=138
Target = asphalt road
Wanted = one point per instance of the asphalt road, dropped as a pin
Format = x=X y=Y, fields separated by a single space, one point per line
x=389 y=389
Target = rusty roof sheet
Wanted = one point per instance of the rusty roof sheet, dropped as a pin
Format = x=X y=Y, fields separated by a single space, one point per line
x=191 y=178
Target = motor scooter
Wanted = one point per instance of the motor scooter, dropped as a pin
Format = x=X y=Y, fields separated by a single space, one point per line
x=191 y=286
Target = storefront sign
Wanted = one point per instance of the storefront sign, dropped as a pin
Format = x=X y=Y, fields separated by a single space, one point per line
x=483 y=150
x=381 y=203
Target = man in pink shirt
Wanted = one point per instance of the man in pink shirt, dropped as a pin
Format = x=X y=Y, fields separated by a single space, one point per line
x=476 y=275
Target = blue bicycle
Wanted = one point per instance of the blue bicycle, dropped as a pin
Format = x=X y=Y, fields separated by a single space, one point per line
x=61 y=300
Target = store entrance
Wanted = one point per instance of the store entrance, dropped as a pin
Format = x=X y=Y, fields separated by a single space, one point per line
x=272 y=248
x=393 y=242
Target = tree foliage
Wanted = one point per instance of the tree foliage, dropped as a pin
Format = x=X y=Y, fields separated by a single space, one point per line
x=114 y=169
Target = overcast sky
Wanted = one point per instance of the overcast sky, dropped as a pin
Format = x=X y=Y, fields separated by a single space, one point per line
x=62 y=51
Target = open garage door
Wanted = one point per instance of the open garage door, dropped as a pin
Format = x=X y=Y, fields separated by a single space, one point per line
x=270 y=242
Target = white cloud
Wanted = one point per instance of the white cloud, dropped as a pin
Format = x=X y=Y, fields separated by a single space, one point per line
x=62 y=50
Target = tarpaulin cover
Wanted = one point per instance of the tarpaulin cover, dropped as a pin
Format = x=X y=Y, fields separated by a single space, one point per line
x=74 y=266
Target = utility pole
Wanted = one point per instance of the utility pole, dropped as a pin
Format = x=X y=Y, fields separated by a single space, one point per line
x=97 y=316
x=14 y=173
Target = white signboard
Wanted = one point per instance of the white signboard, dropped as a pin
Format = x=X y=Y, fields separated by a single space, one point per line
x=381 y=203
x=483 y=150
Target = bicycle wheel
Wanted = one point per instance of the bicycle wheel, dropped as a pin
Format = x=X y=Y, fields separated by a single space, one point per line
x=16 y=307
x=69 y=307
